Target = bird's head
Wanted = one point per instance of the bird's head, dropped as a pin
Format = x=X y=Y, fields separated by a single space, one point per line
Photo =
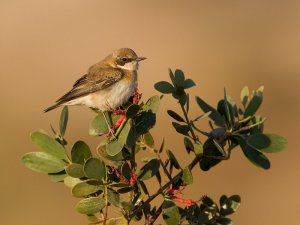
x=126 y=58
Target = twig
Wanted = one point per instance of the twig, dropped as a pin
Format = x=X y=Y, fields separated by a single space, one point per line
x=195 y=137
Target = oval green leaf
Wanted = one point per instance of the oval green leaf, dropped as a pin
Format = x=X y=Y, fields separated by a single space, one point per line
x=80 y=152
x=90 y=205
x=164 y=87
x=95 y=169
x=43 y=162
x=214 y=115
x=254 y=104
x=75 y=170
x=48 y=145
x=83 y=189
x=179 y=78
x=253 y=155
x=170 y=213
x=98 y=125
x=277 y=144
x=71 y=181
x=187 y=176
x=175 y=116
x=188 y=83
x=182 y=129
x=173 y=159
x=152 y=104
x=148 y=170
x=113 y=198
x=63 y=120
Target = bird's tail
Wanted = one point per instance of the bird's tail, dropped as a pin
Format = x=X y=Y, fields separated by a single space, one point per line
x=52 y=107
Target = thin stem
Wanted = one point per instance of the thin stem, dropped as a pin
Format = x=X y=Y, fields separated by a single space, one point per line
x=195 y=137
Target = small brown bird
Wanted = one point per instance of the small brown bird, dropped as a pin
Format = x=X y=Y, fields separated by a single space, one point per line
x=107 y=85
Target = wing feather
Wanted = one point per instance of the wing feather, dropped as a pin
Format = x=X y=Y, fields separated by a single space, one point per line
x=92 y=82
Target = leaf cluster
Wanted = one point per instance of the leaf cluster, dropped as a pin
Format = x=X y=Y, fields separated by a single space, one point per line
x=113 y=177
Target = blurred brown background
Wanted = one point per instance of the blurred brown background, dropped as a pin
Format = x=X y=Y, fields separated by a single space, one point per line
x=46 y=45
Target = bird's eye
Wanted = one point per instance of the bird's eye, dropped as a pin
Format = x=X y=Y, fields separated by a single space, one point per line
x=124 y=59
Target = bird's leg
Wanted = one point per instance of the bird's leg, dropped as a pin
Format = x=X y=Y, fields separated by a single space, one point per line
x=111 y=131
x=136 y=95
x=117 y=112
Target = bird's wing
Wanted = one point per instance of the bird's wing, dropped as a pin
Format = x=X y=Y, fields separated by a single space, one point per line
x=92 y=82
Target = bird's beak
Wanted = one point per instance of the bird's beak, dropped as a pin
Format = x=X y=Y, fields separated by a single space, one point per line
x=140 y=59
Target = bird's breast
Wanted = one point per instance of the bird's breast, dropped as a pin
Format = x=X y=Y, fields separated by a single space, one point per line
x=113 y=96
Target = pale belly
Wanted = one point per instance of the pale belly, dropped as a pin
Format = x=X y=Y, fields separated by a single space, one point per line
x=108 y=98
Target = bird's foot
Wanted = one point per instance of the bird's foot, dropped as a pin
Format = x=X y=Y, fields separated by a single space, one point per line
x=136 y=96
x=118 y=111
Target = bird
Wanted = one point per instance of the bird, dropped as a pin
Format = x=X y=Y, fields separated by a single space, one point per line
x=107 y=84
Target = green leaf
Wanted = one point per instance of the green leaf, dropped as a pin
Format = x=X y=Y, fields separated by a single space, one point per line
x=80 y=152
x=71 y=181
x=148 y=170
x=254 y=104
x=116 y=221
x=175 y=116
x=90 y=205
x=125 y=190
x=224 y=221
x=188 y=83
x=259 y=141
x=220 y=149
x=132 y=111
x=95 y=169
x=93 y=219
x=43 y=162
x=63 y=121
x=113 y=197
x=245 y=96
x=253 y=155
x=148 y=139
x=277 y=144
x=115 y=147
x=198 y=149
x=144 y=187
x=98 y=125
x=214 y=115
x=75 y=170
x=189 y=146
x=144 y=122
x=48 y=145
x=173 y=159
x=164 y=87
x=172 y=77
x=101 y=150
x=202 y=116
x=182 y=129
x=179 y=78
x=187 y=176
x=230 y=205
x=161 y=148
x=57 y=177
x=170 y=213
x=152 y=104
x=83 y=189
